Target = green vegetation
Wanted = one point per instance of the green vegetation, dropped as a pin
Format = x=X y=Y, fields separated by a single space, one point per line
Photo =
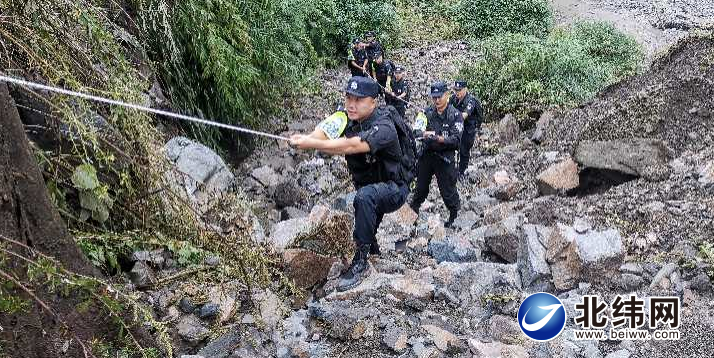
x=484 y=18
x=519 y=73
x=235 y=61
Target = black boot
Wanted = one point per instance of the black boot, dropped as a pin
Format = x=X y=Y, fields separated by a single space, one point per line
x=452 y=216
x=374 y=249
x=357 y=270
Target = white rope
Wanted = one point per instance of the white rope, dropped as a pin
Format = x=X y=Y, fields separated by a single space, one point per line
x=90 y=97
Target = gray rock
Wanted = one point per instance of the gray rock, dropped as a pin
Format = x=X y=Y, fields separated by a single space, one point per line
x=541 y=126
x=600 y=251
x=186 y=305
x=285 y=232
x=629 y=282
x=581 y=226
x=198 y=167
x=209 y=310
x=272 y=309
x=481 y=202
x=701 y=283
x=663 y=273
x=532 y=265
x=395 y=338
x=191 y=330
x=345 y=320
x=572 y=255
x=287 y=193
x=223 y=346
x=454 y=249
x=142 y=275
x=466 y=220
x=266 y=175
x=292 y=213
x=502 y=239
x=471 y=283
x=645 y=158
x=632 y=268
x=505 y=329
x=508 y=129
x=212 y=260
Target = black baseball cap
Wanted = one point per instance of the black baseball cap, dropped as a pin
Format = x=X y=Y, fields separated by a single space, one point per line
x=360 y=86
x=460 y=84
x=438 y=89
x=356 y=40
x=370 y=34
x=399 y=69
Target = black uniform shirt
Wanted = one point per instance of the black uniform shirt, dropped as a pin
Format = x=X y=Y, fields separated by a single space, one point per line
x=469 y=105
x=399 y=88
x=383 y=161
x=448 y=124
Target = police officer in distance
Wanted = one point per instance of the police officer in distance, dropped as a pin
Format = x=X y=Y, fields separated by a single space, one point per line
x=440 y=127
x=372 y=46
x=357 y=58
x=365 y=134
x=383 y=71
x=400 y=91
x=472 y=114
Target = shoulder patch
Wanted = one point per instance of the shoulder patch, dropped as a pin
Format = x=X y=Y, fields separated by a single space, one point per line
x=334 y=125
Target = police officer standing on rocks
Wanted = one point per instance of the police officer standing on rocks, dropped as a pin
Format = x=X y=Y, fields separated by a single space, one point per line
x=357 y=58
x=383 y=71
x=399 y=95
x=372 y=47
x=440 y=127
x=472 y=114
x=369 y=137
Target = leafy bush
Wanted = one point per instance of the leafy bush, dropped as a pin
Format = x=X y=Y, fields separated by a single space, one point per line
x=234 y=60
x=519 y=73
x=355 y=17
x=426 y=21
x=484 y=18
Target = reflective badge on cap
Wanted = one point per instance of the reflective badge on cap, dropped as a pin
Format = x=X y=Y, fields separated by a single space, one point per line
x=353 y=85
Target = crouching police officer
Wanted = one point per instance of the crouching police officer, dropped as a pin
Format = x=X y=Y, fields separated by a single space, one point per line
x=365 y=134
x=440 y=127
x=472 y=114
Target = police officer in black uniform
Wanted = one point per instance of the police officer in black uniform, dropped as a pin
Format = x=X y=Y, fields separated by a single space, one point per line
x=400 y=92
x=472 y=114
x=372 y=47
x=366 y=135
x=357 y=58
x=440 y=127
x=383 y=71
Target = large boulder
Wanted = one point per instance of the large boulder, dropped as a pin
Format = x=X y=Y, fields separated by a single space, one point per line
x=508 y=129
x=558 y=178
x=471 y=284
x=502 y=238
x=577 y=252
x=644 y=158
x=532 y=265
x=463 y=247
x=198 y=170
